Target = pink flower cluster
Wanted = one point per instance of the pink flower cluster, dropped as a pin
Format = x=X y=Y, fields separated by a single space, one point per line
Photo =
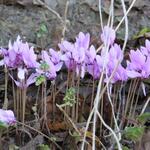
x=82 y=57
x=79 y=56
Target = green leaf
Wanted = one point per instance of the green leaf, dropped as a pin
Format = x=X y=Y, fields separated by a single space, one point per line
x=43 y=28
x=44 y=66
x=39 y=35
x=125 y=148
x=3 y=125
x=13 y=147
x=144 y=117
x=142 y=33
x=69 y=98
x=76 y=136
x=39 y=80
x=134 y=133
x=43 y=147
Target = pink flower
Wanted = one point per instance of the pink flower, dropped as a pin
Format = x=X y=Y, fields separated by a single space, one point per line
x=73 y=54
x=108 y=36
x=66 y=46
x=50 y=64
x=19 y=56
x=93 y=62
x=55 y=57
x=138 y=66
x=83 y=40
x=47 y=67
x=146 y=50
x=115 y=54
x=23 y=84
x=7 y=117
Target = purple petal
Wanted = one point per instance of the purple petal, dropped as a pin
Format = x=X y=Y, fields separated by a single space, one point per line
x=92 y=52
x=19 y=84
x=133 y=74
x=144 y=51
x=58 y=66
x=83 y=40
x=7 y=116
x=46 y=57
x=66 y=46
x=147 y=43
x=108 y=35
x=31 y=79
x=29 y=57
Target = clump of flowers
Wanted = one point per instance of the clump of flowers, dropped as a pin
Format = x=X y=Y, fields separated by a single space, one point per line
x=73 y=54
x=21 y=57
x=79 y=56
x=112 y=57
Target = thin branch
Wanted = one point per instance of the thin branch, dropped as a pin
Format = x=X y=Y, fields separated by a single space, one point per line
x=125 y=15
x=66 y=115
x=65 y=20
x=109 y=128
x=51 y=139
x=145 y=105
x=100 y=14
x=51 y=10
x=126 y=25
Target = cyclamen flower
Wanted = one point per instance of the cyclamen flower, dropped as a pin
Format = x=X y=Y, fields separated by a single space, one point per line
x=7 y=117
x=114 y=55
x=66 y=46
x=138 y=66
x=69 y=60
x=19 y=56
x=50 y=64
x=79 y=55
x=23 y=84
x=66 y=49
x=108 y=36
x=146 y=50
x=81 y=45
x=93 y=62
x=29 y=57
x=83 y=40
x=73 y=54
x=56 y=59
x=119 y=75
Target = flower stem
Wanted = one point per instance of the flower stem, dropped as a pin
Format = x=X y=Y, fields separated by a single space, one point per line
x=6 y=86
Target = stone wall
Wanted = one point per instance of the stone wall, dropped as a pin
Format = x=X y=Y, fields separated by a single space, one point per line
x=26 y=18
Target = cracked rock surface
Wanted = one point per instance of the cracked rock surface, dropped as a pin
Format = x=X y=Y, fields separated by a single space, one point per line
x=26 y=17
